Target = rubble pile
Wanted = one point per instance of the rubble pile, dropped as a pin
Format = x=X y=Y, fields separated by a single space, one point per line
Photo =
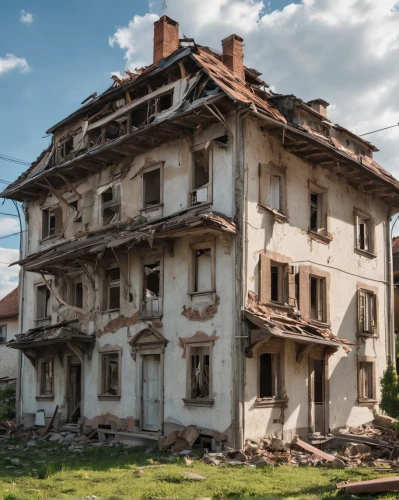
x=11 y=430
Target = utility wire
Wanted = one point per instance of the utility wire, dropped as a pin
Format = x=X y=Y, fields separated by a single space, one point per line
x=374 y=131
x=13 y=234
x=10 y=215
x=14 y=160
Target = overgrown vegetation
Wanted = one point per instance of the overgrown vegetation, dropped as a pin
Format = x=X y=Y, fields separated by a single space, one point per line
x=389 y=392
x=7 y=402
x=48 y=470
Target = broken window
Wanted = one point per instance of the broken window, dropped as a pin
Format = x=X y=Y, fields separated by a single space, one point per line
x=65 y=147
x=317 y=298
x=152 y=187
x=278 y=282
x=110 y=384
x=111 y=205
x=364 y=232
x=367 y=312
x=77 y=294
x=272 y=187
x=315 y=199
x=77 y=213
x=317 y=209
x=199 y=372
x=51 y=221
x=46 y=378
x=3 y=334
x=269 y=378
x=152 y=288
x=200 y=176
x=113 y=289
x=366 y=381
x=203 y=270
x=42 y=302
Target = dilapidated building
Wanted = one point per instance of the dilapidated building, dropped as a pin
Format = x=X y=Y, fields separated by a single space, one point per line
x=204 y=251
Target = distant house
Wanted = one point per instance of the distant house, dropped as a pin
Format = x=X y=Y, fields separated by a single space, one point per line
x=8 y=329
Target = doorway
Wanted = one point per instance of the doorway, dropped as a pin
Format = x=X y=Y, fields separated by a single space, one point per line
x=317 y=395
x=74 y=388
x=151 y=392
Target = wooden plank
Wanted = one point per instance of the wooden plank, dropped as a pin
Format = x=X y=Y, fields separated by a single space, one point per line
x=312 y=449
x=49 y=425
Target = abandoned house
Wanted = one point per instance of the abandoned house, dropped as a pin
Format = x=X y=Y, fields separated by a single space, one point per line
x=202 y=250
x=9 y=313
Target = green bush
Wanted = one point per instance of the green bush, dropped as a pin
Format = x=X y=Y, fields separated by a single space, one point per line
x=7 y=402
x=389 y=392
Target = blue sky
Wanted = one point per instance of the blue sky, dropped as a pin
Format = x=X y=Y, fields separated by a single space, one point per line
x=344 y=51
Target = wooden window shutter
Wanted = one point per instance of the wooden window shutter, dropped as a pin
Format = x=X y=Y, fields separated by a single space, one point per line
x=291 y=299
x=264 y=279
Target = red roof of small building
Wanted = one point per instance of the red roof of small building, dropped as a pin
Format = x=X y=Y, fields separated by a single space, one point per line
x=9 y=305
x=395 y=245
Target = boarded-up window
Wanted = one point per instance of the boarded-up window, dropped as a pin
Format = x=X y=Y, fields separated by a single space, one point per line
x=113 y=289
x=110 y=384
x=51 y=221
x=151 y=288
x=269 y=378
x=3 y=334
x=152 y=187
x=111 y=205
x=367 y=312
x=203 y=270
x=366 y=381
x=42 y=302
x=199 y=372
x=46 y=378
x=317 y=298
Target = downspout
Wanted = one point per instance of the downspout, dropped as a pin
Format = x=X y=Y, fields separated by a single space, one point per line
x=391 y=355
x=240 y=281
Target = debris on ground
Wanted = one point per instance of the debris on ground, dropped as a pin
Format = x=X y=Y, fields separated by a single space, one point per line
x=371 y=486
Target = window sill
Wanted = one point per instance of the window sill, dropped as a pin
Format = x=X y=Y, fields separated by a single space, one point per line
x=320 y=324
x=145 y=316
x=279 y=216
x=278 y=305
x=208 y=292
x=151 y=208
x=198 y=402
x=108 y=397
x=109 y=311
x=47 y=318
x=45 y=398
x=271 y=403
x=367 y=335
x=204 y=204
x=322 y=238
x=367 y=402
x=365 y=253
x=48 y=238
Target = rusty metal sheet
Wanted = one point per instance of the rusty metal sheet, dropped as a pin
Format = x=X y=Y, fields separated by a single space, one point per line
x=312 y=449
x=371 y=486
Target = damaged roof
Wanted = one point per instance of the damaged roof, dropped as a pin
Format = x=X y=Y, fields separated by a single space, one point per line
x=9 y=305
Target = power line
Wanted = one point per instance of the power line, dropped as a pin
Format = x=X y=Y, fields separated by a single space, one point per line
x=14 y=160
x=13 y=234
x=10 y=215
x=379 y=130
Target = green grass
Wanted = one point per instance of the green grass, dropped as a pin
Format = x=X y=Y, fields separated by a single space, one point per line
x=50 y=471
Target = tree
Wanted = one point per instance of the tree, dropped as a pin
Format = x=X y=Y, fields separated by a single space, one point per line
x=389 y=392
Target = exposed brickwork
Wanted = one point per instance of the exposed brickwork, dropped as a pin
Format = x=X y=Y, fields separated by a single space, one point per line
x=166 y=37
x=117 y=424
x=118 y=323
x=233 y=56
x=202 y=314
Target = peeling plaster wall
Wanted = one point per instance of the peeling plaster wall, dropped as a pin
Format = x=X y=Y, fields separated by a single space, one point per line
x=117 y=328
x=9 y=357
x=338 y=258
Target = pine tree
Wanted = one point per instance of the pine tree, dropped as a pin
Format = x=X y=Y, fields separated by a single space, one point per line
x=389 y=392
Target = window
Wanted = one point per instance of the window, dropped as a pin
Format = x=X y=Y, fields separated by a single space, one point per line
x=152 y=187
x=367 y=312
x=110 y=377
x=46 y=378
x=317 y=298
x=364 y=232
x=269 y=375
x=278 y=282
x=318 y=211
x=65 y=147
x=113 y=289
x=77 y=294
x=77 y=213
x=42 y=302
x=51 y=222
x=3 y=334
x=272 y=187
x=199 y=372
x=201 y=176
x=366 y=381
x=152 y=288
x=111 y=205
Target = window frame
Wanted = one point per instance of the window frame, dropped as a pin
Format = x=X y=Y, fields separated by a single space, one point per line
x=273 y=347
x=115 y=202
x=266 y=173
x=3 y=338
x=305 y=273
x=266 y=261
x=321 y=290
x=211 y=244
x=152 y=259
x=46 y=319
x=41 y=395
x=209 y=185
x=102 y=354
x=364 y=362
x=48 y=212
x=370 y=252
x=156 y=166
x=111 y=284
x=372 y=292
x=322 y=233
x=72 y=290
x=189 y=400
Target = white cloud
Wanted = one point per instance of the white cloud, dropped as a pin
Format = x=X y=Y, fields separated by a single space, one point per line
x=26 y=17
x=344 y=51
x=8 y=275
x=10 y=62
x=9 y=225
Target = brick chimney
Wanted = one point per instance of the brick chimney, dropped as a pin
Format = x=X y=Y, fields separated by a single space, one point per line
x=166 y=37
x=233 y=55
x=319 y=105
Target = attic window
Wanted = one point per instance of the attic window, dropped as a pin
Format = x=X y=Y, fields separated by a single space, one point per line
x=51 y=222
x=65 y=146
x=111 y=205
